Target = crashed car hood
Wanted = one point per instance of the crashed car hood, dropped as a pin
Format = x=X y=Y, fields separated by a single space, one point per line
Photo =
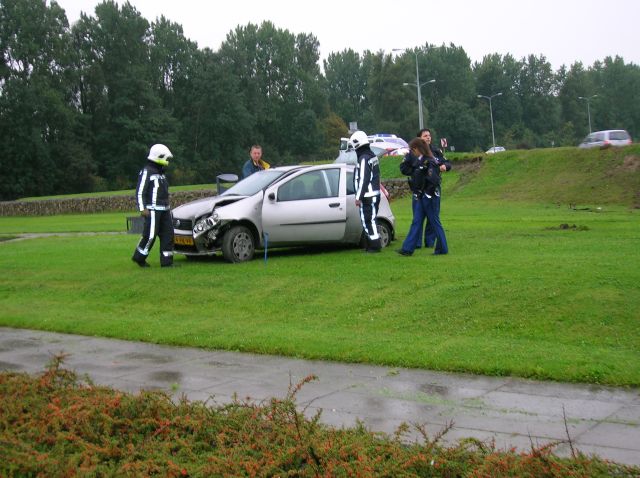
x=200 y=207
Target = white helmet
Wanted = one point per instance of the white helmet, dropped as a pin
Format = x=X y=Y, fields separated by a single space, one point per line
x=160 y=154
x=359 y=138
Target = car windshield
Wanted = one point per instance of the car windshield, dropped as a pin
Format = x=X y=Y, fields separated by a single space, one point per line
x=254 y=183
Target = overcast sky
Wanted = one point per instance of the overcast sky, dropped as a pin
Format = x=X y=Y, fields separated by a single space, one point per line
x=564 y=31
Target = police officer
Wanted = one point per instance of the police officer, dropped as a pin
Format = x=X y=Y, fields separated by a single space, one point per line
x=367 y=185
x=444 y=165
x=152 y=196
x=424 y=171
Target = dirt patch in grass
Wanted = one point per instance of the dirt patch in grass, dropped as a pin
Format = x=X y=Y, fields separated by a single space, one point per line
x=567 y=227
x=631 y=163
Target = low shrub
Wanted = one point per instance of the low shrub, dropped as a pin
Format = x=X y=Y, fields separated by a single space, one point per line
x=57 y=425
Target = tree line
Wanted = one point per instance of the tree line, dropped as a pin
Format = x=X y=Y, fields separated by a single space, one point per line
x=81 y=104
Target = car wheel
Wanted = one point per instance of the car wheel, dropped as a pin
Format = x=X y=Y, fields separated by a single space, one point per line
x=385 y=233
x=238 y=244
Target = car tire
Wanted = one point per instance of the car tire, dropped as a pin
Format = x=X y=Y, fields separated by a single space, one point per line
x=238 y=244
x=384 y=231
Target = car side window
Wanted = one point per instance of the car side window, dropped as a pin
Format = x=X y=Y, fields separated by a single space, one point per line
x=293 y=190
x=311 y=185
x=333 y=181
x=618 y=135
x=351 y=189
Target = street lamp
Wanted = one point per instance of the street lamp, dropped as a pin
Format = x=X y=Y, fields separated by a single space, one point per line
x=587 y=99
x=418 y=86
x=493 y=135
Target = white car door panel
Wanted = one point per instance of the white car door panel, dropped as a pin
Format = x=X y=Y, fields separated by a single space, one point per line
x=306 y=208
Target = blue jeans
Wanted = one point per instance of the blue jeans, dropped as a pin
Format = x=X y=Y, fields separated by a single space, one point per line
x=429 y=209
x=414 y=236
x=429 y=231
x=433 y=216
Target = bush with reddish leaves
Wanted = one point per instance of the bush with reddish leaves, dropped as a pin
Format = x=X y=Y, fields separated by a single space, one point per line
x=55 y=425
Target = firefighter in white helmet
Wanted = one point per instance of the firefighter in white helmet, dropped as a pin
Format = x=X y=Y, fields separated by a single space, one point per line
x=367 y=185
x=152 y=197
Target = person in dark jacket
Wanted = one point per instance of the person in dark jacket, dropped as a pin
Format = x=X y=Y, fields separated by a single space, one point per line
x=429 y=232
x=366 y=180
x=255 y=162
x=152 y=197
x=424 y=171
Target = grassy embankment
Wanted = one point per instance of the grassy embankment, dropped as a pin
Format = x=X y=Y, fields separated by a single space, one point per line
x=542 y=281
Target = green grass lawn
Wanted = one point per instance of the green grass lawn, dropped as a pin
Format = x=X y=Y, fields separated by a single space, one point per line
x=517 y=295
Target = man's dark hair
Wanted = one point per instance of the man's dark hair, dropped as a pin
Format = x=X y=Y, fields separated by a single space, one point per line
x=422 y=131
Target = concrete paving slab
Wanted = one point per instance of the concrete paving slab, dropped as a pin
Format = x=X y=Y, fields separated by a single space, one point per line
x=550 y=405
x=617 y=435
x=573 y=391
x=510 y=411
x=618 y=455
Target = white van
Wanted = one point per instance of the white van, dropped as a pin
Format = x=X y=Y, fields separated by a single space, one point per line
x=603 y=139
x=347 y=154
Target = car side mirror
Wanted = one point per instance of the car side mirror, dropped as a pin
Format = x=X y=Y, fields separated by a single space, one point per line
x=223 y=181
x=271 y=196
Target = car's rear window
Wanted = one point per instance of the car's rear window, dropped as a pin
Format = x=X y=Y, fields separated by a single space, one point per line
x=619 y=135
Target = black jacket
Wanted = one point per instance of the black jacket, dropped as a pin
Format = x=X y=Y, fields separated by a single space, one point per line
x=367 y=174
x=153 y=188
x=424 y=172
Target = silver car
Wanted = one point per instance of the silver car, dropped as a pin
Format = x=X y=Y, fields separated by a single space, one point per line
x=606 y=138
x=285 y=206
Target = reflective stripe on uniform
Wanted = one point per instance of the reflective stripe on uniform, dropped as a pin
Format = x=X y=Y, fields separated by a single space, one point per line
x=156 y=187
x=143 y=180
x=152 y=234
x=371 y=232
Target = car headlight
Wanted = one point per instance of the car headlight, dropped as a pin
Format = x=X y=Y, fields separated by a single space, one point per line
x=206 y=224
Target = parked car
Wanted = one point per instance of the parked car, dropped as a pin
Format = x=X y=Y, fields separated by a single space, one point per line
x=495 y=149
x=393 y=145
x=604 y=139
x=277 y=207
x=346 y=154
x=381 y=145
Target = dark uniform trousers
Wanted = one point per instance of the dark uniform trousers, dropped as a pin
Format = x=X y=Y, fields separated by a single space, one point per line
x=368 y=213
x=156 y=224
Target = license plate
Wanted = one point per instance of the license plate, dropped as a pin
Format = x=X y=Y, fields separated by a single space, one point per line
x=183 y=240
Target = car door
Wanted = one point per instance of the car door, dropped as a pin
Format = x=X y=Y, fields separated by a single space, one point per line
x=305 y=208
x=354 y=224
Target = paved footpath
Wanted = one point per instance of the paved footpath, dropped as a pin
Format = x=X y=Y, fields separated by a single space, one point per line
x=514 y=412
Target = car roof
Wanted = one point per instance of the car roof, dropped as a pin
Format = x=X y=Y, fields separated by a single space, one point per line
x=308 y=166
x=610 y=131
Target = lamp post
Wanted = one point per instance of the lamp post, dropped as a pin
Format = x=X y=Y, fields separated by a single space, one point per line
x=493 y=135
x=588 y=99
x=418 y=86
